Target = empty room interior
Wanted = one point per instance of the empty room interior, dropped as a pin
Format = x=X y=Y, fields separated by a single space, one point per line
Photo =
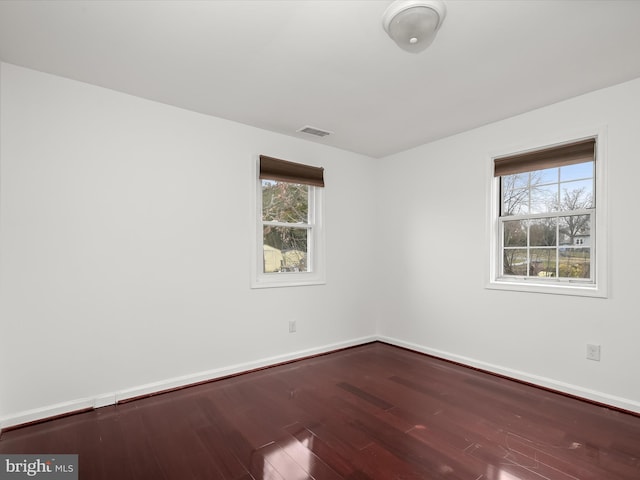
x=319 y=239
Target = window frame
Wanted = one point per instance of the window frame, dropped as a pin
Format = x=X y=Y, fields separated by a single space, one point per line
x=315 y=245
x=599 y=216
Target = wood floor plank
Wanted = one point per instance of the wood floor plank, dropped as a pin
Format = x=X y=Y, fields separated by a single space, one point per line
x=216 y=444
x=311 y=463
x=366 y=396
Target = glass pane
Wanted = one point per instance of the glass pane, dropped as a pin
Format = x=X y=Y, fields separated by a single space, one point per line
x=543 y=262
x=518 y=180
x=515 y=201
x=515 y=233
x=575 y=262
x=514 y=261
x=575 y=195
x=579 y=170
x=285 y=202
x=542 y=232
x=575 y=230
x=285 y=249
x=549 y=175
x=544 y=198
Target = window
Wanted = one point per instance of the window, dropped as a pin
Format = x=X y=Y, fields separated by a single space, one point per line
x=547 y=204
x=289 y=232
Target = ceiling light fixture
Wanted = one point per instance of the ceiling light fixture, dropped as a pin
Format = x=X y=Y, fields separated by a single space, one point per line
x=413 y=24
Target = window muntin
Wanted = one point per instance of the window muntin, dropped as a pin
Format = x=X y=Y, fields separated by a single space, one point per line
x=546 y=224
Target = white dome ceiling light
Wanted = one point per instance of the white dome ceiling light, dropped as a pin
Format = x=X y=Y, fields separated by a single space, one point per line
x=413 y=24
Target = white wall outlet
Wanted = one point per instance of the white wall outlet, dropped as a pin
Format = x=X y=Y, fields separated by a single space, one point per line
x=593 y=352
x=292 y=326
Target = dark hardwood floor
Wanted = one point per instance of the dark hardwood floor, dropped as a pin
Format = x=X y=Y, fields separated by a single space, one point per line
x=371 y=412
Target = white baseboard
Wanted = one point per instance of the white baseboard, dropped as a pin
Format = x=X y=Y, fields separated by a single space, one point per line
x=574 y=390
x=48 y=411
x=112 y=398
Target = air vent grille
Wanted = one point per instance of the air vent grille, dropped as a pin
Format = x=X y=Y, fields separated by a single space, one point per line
x=314 y=131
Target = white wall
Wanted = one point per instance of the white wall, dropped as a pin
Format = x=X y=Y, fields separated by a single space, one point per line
x=432 y=291
x=126 y=242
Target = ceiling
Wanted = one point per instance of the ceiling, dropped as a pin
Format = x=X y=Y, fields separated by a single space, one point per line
x=283 y=64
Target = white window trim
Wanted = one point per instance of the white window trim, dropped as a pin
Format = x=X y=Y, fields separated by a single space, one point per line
x=316 y=260
x=600 y=286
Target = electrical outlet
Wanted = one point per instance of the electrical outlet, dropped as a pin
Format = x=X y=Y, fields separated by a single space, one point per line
x=593 y=352
x=292 y=326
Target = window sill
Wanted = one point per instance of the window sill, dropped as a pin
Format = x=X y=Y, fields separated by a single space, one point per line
x=278 y=280
x=531 y=286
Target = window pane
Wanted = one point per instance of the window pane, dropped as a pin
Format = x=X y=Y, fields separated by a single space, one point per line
x=515 y=233
x=579 y=170
x=549 y=175
x=542 y=232
x=576 y=195
x=543 y=262
x=285 y=202
x=515 y=261
x=519 y=180
x=544 y=198
x=575 y=230
x=285 y=249
x=575 y=262
x=515 y=201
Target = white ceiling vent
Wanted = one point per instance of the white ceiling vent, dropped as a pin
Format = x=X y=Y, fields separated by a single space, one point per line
x=313 y=131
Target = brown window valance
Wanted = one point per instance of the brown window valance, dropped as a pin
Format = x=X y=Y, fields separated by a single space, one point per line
x=558 y=156
x=285 y=171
